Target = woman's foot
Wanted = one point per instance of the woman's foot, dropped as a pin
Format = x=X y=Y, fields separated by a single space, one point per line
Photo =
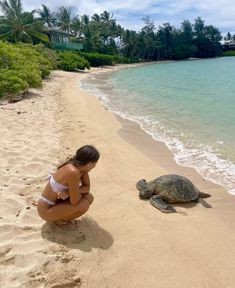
x=67 y=224
x=75 y=223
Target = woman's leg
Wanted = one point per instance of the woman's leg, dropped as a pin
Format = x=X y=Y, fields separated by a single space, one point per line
x=62 y=210
x=89 y=197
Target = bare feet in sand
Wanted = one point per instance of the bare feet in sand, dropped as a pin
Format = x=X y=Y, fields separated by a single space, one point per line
x=67 y=224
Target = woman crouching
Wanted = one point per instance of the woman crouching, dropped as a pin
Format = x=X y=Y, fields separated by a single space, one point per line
x=67 y=194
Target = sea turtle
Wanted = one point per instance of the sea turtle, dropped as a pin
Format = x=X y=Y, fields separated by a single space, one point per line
x=170 y=188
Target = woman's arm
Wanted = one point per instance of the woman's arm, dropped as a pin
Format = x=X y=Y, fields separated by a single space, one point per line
x=85 y=187
x=73 y=186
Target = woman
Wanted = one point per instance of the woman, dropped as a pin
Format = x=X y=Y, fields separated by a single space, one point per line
x=67 y=194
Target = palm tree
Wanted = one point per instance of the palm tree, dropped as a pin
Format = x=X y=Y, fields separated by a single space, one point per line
x=46 y=16
x=85 y=20
x=90 y=38
x=96 y=18
x=76 y=26
x=106 y=16
x=16 y=25
x=165 y=41
x=64 y=18
x=206 y=39
x=147 y=39
x=129 y=43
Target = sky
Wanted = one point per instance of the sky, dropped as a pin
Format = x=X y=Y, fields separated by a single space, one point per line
x=129 y=13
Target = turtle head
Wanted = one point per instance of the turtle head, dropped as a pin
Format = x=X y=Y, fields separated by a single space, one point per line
x=142 y=186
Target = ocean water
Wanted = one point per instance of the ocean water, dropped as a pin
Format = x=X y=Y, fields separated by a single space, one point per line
x=188 y=105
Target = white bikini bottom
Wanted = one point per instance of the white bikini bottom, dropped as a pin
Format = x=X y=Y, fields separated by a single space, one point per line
x=45 y=200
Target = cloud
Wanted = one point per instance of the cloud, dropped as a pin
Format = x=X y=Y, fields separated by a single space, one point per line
x=129 y=13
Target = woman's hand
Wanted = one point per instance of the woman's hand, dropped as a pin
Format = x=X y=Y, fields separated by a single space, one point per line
x=63 y=195
x=83 y=192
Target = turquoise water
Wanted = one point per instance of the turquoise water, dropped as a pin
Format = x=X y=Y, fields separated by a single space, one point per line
x=189 y=105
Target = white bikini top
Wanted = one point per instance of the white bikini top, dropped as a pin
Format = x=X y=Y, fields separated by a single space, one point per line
x=55 y=186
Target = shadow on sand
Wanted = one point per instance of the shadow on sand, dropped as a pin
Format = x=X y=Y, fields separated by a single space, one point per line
x=88 y=235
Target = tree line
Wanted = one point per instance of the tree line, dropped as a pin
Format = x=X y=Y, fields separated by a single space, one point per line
x=101 y=33
x=229 y=37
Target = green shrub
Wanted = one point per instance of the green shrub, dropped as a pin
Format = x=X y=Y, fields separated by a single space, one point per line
x=126 y=60
x=11 y=84
x=72 y=61
x=22 y=66
x=49 y=54
x=39 y=61
x=29 y=73
x=96 y=59
x=229 y=53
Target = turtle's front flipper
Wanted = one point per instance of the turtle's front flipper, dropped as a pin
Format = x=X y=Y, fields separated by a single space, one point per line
x=158 y=203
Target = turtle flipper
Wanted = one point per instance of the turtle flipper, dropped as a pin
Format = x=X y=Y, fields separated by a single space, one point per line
x=158 y=203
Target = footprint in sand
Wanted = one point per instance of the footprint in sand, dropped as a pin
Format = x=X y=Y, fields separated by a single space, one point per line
x=10 y=209
x=3 y=252
x=181 y=212
x=76 y=283
x=54 y=272
x=7 y=260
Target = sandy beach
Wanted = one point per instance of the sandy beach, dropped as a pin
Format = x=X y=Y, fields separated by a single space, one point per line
x=122 y=241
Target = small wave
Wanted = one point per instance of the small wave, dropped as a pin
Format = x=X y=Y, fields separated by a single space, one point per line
x=202 y=158
x=206 y=162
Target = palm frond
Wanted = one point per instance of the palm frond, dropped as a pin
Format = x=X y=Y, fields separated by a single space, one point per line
x=38 y=35
x=4 y=6
x=5 y=36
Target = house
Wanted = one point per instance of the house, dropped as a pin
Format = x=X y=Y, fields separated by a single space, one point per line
x=228 y=45
x=61 y=40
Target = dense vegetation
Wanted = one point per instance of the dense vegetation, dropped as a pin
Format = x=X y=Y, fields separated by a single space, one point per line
x=72 y=61
x=23 y=66
x=105 y=42
x=102 y=34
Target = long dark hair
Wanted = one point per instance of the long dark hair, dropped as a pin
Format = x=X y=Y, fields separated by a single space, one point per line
x=84 y=155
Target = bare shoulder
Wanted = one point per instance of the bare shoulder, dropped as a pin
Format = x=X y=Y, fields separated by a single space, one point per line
x=72 y=171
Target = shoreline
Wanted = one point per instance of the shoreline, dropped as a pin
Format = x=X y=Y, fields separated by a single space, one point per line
x=136 y=126
x=120 y=237
x=159 y=153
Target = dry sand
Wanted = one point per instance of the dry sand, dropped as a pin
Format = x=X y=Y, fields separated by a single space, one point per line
x=122 y=241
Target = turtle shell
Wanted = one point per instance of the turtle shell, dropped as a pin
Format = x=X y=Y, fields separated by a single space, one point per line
x=176 y=188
